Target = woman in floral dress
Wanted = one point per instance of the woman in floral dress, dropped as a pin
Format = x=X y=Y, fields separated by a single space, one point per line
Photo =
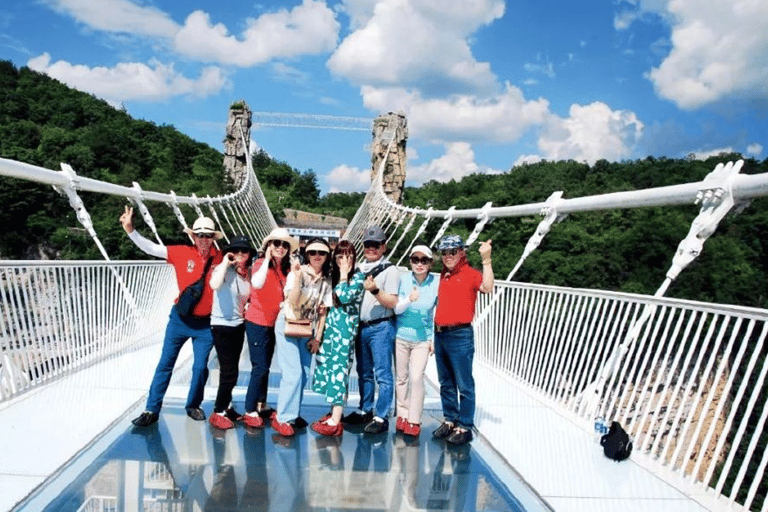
x=332 y=361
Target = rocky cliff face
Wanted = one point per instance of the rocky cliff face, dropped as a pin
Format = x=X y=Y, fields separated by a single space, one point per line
x=394 y=170
x=235 y=150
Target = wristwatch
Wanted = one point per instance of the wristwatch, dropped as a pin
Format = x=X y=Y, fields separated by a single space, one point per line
x=375 y=291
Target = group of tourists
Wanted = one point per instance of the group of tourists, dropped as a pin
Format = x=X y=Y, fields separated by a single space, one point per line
x=330 y=307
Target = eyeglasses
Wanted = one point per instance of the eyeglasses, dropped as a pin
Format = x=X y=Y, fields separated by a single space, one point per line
x=449 y=252
x=371 y=244
x=204 y=235
x=281 y=243
x=415 y=260
x=316 y=253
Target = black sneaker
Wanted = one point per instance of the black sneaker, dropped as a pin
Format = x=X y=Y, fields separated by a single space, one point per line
x=377 y=426
x=146 y=419
x=195 y=413
x=443 y=431
x=233 y=415
x=459 y=436
x=299 y=423
x=355 y=418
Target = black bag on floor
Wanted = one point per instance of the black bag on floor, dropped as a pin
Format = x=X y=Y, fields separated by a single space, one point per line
x=616 y=444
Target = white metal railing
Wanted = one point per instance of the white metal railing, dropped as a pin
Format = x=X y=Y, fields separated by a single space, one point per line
x=56 y=317
x=691 y=390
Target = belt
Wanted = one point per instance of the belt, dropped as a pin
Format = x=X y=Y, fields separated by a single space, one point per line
x=446 y=328
x=375 y=321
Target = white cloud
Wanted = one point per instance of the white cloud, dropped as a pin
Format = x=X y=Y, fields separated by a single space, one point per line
x=592 y=132
x=118 y=16
x=527 y=159
x=132 y=80
x=719 y=50
x=704 y=154
x=755 y=149
x=457 y=162
x=409 y=42
x=308 y=29
x=348 y=179
x=499 y=118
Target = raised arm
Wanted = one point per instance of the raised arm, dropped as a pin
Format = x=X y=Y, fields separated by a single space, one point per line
x=147 y=246
x=485 y=254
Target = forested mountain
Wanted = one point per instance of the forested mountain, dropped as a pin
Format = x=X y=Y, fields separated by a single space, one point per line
x=43 y=122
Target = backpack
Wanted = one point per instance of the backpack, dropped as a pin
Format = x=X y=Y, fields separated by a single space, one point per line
x=616 y=444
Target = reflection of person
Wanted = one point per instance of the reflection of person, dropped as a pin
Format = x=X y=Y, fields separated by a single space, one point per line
x=413 y=345
x=229 y=280
x=256 y=489
x=223 y=493
x=267 y=284
x=375 y=343
x=454 y=336
x=332 y=361
x=307 y=297
x=189 y=264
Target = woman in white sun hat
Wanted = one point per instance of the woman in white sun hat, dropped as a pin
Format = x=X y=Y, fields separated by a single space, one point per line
x=415 y=312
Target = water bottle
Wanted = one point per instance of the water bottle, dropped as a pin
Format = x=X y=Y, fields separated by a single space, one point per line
x=601 y=427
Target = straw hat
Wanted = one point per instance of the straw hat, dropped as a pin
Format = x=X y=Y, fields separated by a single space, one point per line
x=280 y=234
x=204 y=225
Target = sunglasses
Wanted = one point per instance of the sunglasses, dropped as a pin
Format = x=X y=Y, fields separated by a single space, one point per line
x=317 y=253
x=204 y=235
x=420 y=261
x=371 y=245
x=281 y=243
x=240 y=251
x=449 y=252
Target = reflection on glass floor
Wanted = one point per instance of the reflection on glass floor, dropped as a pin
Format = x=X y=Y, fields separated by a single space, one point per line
x=182 y=465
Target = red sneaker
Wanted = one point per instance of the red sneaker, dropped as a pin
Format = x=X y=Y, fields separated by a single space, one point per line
x=400 y=424
x=253 y=421
x=221 y=422
x=412 y=429
x=284 y=429
x=325 y=429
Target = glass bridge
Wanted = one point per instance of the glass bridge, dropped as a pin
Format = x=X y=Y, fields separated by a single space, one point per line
x=179 y=464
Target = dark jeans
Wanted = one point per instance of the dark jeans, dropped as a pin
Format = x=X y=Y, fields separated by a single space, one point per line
x=454 y=352
x=177 y=332
x=261 y=347
x=229 y=343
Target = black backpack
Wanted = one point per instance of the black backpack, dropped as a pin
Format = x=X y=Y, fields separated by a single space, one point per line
x=616 y=444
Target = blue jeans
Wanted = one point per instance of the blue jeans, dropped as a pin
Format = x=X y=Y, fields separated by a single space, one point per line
x=374 y=349
x=294 y=360
x=261 y=347
x=454 y=352
x=177 y=332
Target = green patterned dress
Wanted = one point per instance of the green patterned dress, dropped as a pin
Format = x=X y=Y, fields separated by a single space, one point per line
x=332 y=362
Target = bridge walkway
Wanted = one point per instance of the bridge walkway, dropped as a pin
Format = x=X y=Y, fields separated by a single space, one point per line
x=70 y=446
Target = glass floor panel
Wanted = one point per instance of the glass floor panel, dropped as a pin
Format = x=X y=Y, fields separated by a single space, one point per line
x=182 y=465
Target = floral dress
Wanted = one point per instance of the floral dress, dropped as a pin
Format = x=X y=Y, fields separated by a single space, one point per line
x=332 y=361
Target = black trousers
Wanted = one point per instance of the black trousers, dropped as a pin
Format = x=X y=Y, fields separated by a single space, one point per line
x=228 y=342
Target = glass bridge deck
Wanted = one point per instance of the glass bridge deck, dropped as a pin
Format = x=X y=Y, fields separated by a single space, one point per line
x=179 y=465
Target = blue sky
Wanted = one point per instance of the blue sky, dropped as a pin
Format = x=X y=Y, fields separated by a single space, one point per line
x=485 y=84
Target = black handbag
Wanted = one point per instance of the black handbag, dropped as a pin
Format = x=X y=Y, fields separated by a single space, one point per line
x=192 y=294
